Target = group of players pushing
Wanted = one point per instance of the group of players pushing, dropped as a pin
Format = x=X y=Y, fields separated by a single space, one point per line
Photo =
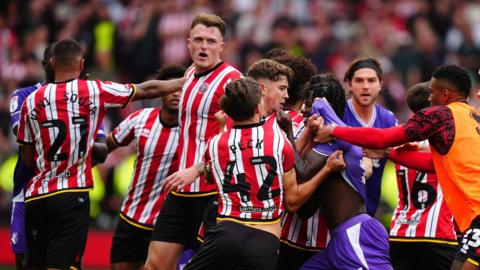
x=265 y=181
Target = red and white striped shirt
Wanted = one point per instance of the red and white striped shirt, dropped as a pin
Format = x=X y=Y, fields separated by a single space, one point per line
x=156 y=146
x=61 y=122
x=311 y=234
x=297 y=121
x=421 y=213
x=247 y=164
x=199 y=102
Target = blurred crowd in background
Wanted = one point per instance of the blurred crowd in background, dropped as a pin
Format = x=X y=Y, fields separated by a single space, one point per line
x=129 y=40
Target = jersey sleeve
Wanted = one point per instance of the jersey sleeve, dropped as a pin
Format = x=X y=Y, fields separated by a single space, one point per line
x=16 y=101
x=114 y=94
x=429 y=122
x=24 y=136
x=124 y=133
x=101 y=132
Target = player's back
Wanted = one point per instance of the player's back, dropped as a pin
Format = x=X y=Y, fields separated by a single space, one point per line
x=61 y=123
x=247 y=164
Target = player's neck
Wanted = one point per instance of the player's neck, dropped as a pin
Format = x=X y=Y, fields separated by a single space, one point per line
x=364 y=112
x=65 y=76
x=253 y=120
x=201 y=70
x=169 y=118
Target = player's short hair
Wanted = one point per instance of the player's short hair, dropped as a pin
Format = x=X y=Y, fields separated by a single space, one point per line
x=46 y=64
x=171 y=72
x=303 y=69
x=67 y=53
x=417 y=96
x=48 y=53
x=209 y=20
x=326 y=85
x=455 y=75
x=363 y=63
x=269 y=69
x=241 y=99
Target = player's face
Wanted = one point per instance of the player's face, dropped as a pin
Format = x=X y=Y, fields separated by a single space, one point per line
x=274 y=94
x=438 y=93
x=205 y=45
x=171 y=102
x=365 y=87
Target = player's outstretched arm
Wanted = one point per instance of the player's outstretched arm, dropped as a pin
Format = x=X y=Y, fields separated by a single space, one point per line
x=374 y=138
x=157 y=88
x=296 y=195
x=177 y=180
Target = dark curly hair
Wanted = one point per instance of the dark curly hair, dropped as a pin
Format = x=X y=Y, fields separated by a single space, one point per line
x=326 y=85
x=303 y=69
x=455 y=75
x=241 y=98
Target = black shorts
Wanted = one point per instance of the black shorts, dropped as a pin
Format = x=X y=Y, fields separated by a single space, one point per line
x=421 y=255
x=470 y=244
x=293 y=258
x=179 y=220
x=230 y=245
x=130 y=243
x=56 y=230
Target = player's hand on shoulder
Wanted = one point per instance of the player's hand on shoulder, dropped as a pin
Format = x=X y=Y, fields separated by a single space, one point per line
x=335 y=162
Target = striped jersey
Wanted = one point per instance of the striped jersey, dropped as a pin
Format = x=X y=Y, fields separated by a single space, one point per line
x=199 y=102
x=247 y=163
x=61 y=121
x=156 y=145
x=421 y=211
x=297 y=122
x=23 y=173
x=310 y=234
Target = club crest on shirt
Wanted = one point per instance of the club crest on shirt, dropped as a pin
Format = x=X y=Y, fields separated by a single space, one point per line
x=203 y=88
x=13 y=104
x=145 y=132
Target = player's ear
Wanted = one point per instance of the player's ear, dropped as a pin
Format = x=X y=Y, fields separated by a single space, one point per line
x=263 y=88
x=82 y=63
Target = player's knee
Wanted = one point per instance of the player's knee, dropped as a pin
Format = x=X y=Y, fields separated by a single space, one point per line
x=161 y=257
